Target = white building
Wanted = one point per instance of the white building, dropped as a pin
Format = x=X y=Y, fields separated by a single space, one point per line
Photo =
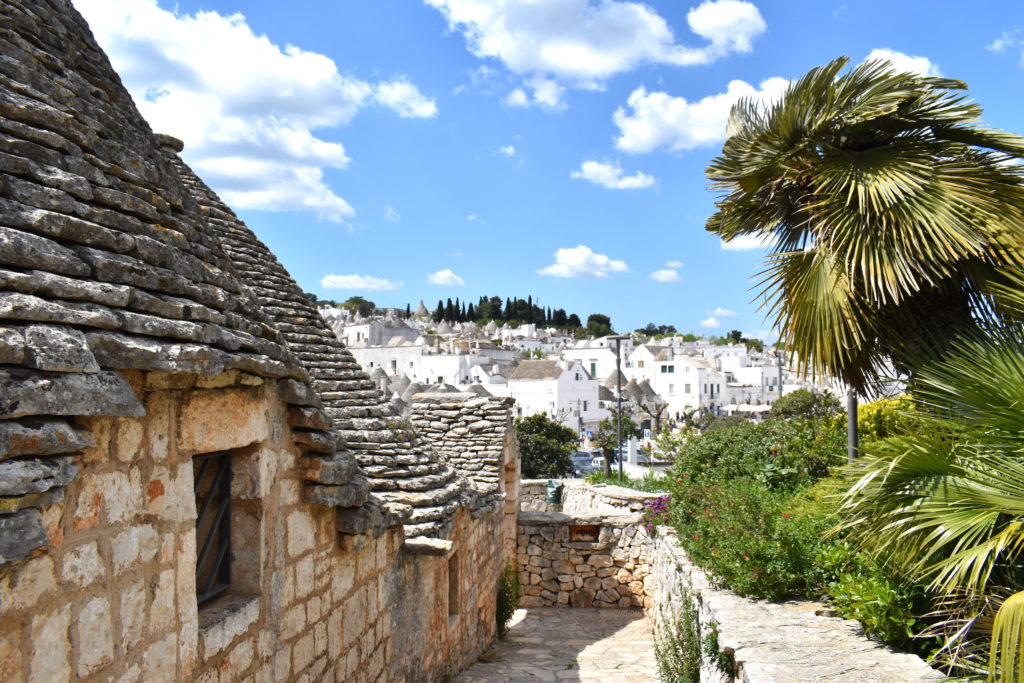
x=598 y=355
x=562 y=389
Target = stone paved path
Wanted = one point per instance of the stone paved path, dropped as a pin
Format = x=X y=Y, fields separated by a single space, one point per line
x=571 y=644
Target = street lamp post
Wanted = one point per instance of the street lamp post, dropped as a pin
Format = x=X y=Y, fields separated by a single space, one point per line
x=618 y=396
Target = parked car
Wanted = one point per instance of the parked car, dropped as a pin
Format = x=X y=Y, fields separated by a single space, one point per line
x=582 y=463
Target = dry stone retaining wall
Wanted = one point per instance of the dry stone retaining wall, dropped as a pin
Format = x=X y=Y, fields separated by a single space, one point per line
x=582 y=560
x=579 y=496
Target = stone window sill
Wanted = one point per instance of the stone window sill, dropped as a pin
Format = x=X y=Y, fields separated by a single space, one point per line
x=224 y=619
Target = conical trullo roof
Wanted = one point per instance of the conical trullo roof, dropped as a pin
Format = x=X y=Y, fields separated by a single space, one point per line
x=400 y=384
x=632 y=391
x=422 y=311
x=614 y=378
x=649 y=393
x=411 y=390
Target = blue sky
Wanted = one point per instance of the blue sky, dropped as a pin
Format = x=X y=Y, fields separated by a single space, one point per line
x=404 y=150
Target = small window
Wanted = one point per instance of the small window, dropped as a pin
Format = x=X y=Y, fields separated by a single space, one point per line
x=593 y=369
x=212 y=476
x=671 y=388
x=453 y=585
x=686 y=388
x=394 y=366
x=584 y=406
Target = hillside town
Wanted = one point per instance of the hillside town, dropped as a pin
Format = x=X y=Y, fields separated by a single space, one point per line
x=662 y=380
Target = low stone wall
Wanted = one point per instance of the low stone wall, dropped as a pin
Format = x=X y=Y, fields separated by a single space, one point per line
x=583 y=560
x=791 y=641
x=579 y=496
x=533 y=496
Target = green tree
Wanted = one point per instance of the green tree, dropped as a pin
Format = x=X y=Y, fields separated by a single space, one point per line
x=735 y=336
x=599 y=325
x=357 y=305
x=944 y=502
x=805 y=403
x=574 y=321
x=546 y=446
x=889 y=209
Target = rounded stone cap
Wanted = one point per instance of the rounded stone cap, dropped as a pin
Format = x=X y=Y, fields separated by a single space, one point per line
x=170 y=142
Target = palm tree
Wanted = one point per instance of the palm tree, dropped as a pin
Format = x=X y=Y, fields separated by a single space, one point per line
x=889 y=209
x=895 y=224
x=945 y=503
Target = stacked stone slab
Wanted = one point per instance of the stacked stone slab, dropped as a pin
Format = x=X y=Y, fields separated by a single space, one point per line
x=106 y=265
x=471 y=433
x=607 y=571
x=402 y=470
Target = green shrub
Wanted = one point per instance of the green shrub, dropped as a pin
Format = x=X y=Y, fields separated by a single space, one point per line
x=677 y=643
x=885 y=608
x=650 y=482
x=508 y=597
x=781 y=454
x=747 y=537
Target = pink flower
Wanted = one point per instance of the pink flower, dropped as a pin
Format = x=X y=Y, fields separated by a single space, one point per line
x=785 y=514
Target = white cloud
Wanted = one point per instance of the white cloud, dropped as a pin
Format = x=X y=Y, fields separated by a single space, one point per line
x=903 y=62
x=611 y=176
x=390 y=215
x=674 y=264
x=1007 y=40
x=581 y=261
x=658 y=119
x=746 y=243
x=445 y=277
x=508 y=150
x=405 y=99
x=666 y=276
x=583 y=43
x=711 y=323
x=363 y=282
x=722 y=312
x=471 y=217
x=245 y=107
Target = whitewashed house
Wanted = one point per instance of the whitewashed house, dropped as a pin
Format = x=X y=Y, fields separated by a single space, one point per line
x=562 y=389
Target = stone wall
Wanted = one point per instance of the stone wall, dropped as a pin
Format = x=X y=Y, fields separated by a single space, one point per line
x=579 y=496
x=582 y=560
x=533 y=496
x=114 y=597
x=792 y=641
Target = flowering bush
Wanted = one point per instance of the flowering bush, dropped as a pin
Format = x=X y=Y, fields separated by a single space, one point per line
x=655 y=514
x=746 y=537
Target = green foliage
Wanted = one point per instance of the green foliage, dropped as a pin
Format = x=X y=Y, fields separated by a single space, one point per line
x=804 y=403
x=886 y=417
x=607 y=436
x=652 y=330
x=873 y=258
x=713 y=652
x=781 y=454
x=508 y=597
x=357 y=305
x=944 y=504
x=885 y=609
x=746 y=536
x=650 y=482
x=677 y=643
x=546 y=447
x=599 y=325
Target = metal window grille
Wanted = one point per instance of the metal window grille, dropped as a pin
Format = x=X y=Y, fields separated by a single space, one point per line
x=213 y=525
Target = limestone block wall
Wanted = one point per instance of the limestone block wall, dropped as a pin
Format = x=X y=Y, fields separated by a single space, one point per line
x=579 y=496
x=113 y=597
x=533 y=496
x=582 y=560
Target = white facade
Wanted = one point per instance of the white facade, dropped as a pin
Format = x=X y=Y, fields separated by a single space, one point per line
x=563 y=390
x=598 y=355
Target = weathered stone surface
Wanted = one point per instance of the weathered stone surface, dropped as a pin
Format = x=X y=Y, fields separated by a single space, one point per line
x=58 y=349
x=40 y=436
x=204 y=413
x=35 y=475
x=12 y=346
x=308 y=417
x=26 y=392
x=318 y=442
x=32 y=251
x=352 y=494
x=333 y=470
x=372 y=516
x=20 y=534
